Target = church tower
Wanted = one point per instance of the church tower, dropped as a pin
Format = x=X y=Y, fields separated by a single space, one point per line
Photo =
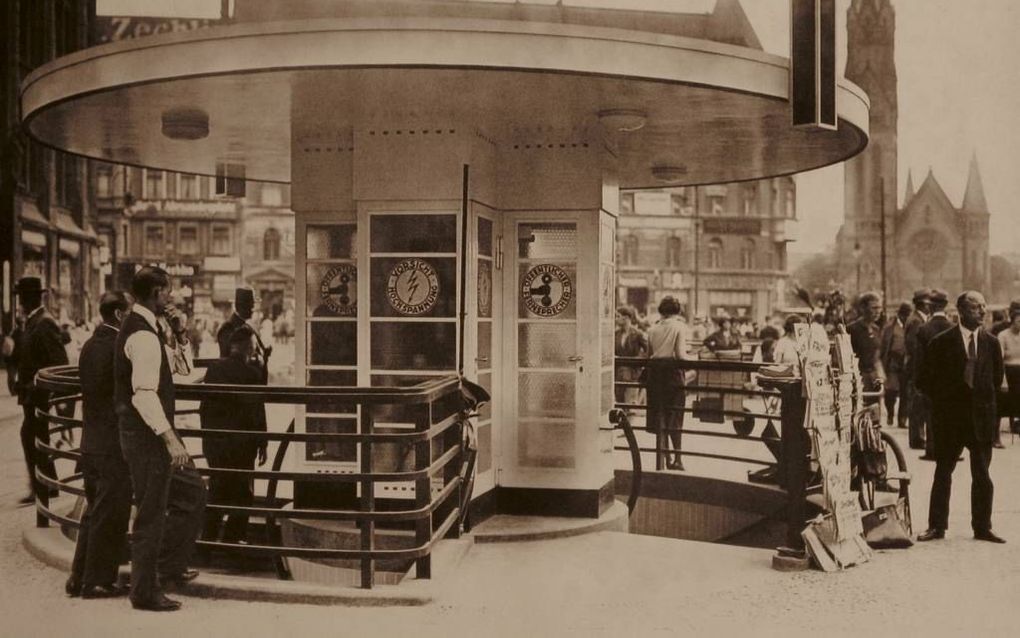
x=974 y=221
x=871 y=27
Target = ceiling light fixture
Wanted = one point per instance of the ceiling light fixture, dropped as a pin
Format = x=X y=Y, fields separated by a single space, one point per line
x=669 y=174
x=185 y=124
x=623 y=120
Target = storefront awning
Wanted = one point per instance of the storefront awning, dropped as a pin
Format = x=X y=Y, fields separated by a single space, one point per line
x=66 y=225
x=29 y=214
x=33 y=239
x=70 y=247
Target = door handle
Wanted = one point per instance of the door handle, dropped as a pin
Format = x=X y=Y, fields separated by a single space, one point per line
x=575 y=358
x=482 y=359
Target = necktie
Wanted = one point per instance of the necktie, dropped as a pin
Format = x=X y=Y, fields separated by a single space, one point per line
x=968 y=370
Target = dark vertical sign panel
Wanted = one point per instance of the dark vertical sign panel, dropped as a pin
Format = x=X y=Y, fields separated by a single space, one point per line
x=813 y=63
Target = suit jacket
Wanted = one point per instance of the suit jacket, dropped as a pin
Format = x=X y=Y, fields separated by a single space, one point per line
x=893 y=350
x=865 y=339
x=959 y=413
x=233 y=413
x=227 y=329
x=41 y=346
x=95 y=368
x=925 y=333
x=910 y=330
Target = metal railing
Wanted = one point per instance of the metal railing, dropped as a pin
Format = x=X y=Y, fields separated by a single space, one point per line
x=434 y=444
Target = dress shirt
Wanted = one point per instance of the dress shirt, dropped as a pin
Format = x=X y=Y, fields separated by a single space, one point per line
x=968 y=337
x=668 y=338
x=786 y=351
x=1010 y=342
x=142 y=349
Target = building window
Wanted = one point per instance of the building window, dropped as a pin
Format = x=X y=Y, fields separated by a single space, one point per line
x=123 y=239
x=155 y=239
x=774 y=202
x=104 y=181
x=153 y=185
x=680 y=202
x=750 y=206
x=715 y=249
x=66 y=180
x=715 y=205
x=673 y=252
x=630 y=250
x=187 y=186
x=220 y=239
x=626 y=203
x=271 y=245
x=791 y=204
x=747 y=260
x=187 y=239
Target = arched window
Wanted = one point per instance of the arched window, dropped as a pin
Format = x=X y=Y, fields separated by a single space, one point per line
x=673 y=251
x=630 y=250
x=747 y=255
x=271 y=245
x=715 y=249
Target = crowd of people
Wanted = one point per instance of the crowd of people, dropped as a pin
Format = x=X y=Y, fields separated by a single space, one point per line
x=939 y=371
x=131 y=452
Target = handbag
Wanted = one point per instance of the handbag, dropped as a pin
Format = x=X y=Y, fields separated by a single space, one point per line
x=884 y=527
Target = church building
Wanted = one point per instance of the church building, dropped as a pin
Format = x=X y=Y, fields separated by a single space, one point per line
x=928 y=240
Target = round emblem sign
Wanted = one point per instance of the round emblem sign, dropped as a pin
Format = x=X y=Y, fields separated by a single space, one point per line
x=338 y=290
x=546 y=290
x=413 y=287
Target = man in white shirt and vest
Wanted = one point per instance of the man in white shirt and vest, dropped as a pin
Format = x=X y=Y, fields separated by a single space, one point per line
x=168 y=492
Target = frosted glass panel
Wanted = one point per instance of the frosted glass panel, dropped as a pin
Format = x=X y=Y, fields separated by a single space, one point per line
x=547 y=241
x=332 y=343
x=484 y=448
x=332 y=242
x=546 y=394
x=484 y=345
x=337 y=452
x=414 y=346
x=485 y=380
x=331 y=290
x=545 y=445
x=484 y=237
x=545 y=345
x=414 y=233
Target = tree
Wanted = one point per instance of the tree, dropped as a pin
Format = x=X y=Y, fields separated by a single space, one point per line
x=816 y=274
x=1005 y=280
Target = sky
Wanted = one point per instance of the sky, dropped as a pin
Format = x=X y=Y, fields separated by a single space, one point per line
x=959 y=93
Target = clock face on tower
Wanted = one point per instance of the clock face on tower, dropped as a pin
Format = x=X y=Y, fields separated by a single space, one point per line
x=928 y=249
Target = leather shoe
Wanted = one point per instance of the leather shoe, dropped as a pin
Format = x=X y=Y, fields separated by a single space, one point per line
x=73 y=587
x=103 y=591
x=161 y=603
x=988 y=536
x=182 y=578
x=27 y=500
x=926 y=457
x=932 y=534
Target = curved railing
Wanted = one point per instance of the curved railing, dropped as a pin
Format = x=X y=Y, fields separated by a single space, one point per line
x=434 y=443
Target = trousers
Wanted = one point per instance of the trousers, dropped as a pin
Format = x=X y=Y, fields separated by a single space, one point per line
x=981 y=488
x=102 y=536
x=170 y=505
x=229 y=490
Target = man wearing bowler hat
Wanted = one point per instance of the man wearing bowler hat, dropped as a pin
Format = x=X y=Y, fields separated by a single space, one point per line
x=40 y=347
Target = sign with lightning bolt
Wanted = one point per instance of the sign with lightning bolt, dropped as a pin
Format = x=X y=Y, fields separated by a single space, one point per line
x=413 y=287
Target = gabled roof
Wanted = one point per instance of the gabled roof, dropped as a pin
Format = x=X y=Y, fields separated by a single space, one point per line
x=931 y=186
x=974 y=197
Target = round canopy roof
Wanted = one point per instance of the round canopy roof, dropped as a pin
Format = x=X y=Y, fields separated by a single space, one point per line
x=713 y=112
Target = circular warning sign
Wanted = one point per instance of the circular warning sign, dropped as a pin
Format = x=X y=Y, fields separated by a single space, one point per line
x=338 y=290
x=413 y=287
x=546 y=290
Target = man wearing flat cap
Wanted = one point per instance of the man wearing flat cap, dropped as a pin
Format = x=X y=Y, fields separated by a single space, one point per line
x=910 y=406
x=938 y=323
x=40 y=347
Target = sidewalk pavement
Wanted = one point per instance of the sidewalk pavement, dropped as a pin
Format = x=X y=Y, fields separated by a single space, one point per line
x=604 y=584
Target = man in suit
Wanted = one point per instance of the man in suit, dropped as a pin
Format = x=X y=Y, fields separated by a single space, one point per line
x=234 y=413
x=40 y=347
x=168 y=492
x=961 y=373
x=893 y=354
x=865 y=339
x=914 y=408
x=938 y=323
x=102 y=536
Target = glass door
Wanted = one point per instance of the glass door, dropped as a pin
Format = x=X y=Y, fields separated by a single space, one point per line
x=486 y=304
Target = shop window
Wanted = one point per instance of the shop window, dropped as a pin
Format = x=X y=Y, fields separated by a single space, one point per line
x=271 y=245
x=155 y=239
x=104 y=181
x=187 y=239
x=630 y=250
x=153 y=185
x=221 y=240
x=715 y=249
x=187 y=187
x=750 y=205
x=673 y=252
x=747 y=255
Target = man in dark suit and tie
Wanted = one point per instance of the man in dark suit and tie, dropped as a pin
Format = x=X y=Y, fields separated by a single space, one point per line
x=961 y=373
x=102 y=537
x=40 y=347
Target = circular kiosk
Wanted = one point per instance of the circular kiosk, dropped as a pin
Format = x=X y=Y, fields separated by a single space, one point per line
x=473 y=157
